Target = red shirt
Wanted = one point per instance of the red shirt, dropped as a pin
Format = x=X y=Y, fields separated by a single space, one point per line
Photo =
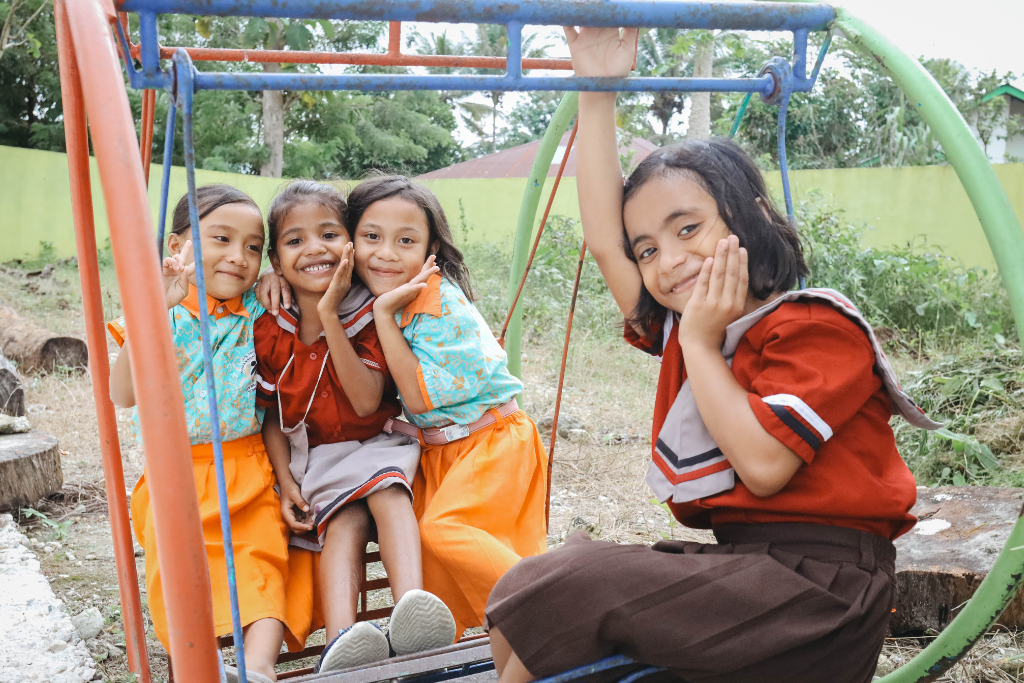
x=331 y=418
x=853 y=477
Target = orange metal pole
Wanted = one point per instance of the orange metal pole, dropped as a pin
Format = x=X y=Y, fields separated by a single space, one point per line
x=175 y=506
x=394 y=38
x=76 y=137
x=146 y=131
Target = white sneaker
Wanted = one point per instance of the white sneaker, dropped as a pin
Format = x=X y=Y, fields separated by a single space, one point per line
x=420 y=621
x=361 y=643
x=231 y=676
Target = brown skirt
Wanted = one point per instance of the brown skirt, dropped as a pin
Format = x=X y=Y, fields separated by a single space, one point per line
x=770 y=602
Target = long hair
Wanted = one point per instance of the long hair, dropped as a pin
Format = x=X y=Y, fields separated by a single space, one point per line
x=775 y=258
x=208 y=199
x=447 y=257
x=301 y=192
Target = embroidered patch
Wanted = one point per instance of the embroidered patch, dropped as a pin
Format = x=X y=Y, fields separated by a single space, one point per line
x=247 y=366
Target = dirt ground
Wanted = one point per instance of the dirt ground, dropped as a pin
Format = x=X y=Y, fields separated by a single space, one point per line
x=598 y=477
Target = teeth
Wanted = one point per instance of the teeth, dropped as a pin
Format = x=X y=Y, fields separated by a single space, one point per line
x=318 y=267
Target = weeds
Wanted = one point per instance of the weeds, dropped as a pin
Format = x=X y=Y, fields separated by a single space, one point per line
x=59 y=530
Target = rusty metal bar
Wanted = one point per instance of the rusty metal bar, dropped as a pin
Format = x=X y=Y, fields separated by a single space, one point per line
x=146 y=133
x=175 y=506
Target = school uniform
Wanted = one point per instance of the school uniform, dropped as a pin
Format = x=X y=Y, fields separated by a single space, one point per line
x=801 y=583
x=337 y=457
x=480 y=489
x=258 y=531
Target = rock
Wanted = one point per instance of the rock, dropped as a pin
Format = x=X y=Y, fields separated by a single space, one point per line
x=89 y=623
x=14 y=425
x=941 y=561
x=566 y=424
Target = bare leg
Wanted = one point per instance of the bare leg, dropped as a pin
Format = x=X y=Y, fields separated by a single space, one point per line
x=510 y=669
x=263 y=640
x=341 y=566
x=399 y=538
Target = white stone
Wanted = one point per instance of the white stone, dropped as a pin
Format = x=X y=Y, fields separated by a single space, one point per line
x=929 y=527
x=88 y=623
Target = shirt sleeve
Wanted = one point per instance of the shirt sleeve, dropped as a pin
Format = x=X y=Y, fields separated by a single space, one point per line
x=265 y=333
x=367 y=347
x=817 y=374
x=458 y=354
x=647 y=343
x=117 y=331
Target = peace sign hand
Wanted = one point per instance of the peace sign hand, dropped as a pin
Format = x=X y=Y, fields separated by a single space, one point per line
x=176 y=273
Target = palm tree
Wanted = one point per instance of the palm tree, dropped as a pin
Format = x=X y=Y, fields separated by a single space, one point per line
x=656 y=56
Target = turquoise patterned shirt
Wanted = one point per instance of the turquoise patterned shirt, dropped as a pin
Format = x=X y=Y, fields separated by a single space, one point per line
x=234 y=363
x=463 y=371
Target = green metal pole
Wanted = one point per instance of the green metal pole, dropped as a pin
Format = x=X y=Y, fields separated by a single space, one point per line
x=1007 y=242
x=527 y=216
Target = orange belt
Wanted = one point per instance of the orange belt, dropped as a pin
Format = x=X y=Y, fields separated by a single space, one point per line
x=439 y=436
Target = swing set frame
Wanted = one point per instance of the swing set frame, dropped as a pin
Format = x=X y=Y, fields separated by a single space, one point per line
x=93 y=36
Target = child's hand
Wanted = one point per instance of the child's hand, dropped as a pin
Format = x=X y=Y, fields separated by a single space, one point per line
x=176 y=273
x=340 y=284
x=719 y=296
x=601 y=52
x=392 y=302
x=295 y=510
x=272 y=291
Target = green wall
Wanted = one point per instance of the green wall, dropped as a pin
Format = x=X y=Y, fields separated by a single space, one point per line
x=898 y=203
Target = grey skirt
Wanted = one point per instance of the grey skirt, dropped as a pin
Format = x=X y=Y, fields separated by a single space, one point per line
x=800 y=603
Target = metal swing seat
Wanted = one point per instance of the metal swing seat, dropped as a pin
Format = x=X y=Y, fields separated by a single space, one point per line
x=90 y=35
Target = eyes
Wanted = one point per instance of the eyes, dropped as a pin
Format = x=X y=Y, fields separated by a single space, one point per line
x=645 y=251
x=328 y=235
x=371 y=236
x=224 y=239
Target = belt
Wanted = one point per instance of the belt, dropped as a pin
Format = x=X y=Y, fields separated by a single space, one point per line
x=439 y=436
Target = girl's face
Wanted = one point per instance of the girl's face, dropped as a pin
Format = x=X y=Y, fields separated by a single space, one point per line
x=232 y=249
x=309 y=244
x=392 y=242
x=672 y=225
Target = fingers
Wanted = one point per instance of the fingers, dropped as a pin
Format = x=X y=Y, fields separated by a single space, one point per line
x=275 y=295
x=716 y=281
x=286 y=294
x=570 y=33
x=700 y=289
x=732 y=270
x=186 y=251
x=743 y=279
x=629 y=37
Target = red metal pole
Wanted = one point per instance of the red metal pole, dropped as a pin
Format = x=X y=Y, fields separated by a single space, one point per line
x=394 y=38
x=146 y=130
x=179 y=538
x=76 y=137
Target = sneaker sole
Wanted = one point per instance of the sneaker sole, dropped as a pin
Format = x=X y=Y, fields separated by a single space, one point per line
x=420 y=622
x=364 y=644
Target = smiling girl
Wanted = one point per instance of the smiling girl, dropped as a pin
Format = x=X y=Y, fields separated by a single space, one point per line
x=771 y=427
x=328 y=392
x=231 y=227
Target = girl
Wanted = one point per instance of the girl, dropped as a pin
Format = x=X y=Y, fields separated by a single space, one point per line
x=328 y=393
x=231 y=227
x=479 y=493
x=771 y=427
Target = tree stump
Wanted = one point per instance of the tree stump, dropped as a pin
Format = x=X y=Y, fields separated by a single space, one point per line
x=35 y=348
x=29 y=468
x=941 y=561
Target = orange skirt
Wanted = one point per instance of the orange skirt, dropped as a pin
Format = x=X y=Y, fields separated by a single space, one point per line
x=480 y=502
x=258 y=532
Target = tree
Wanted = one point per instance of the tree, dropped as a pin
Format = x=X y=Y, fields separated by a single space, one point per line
x=30 y=100
x=14 y=31
x=656 y=57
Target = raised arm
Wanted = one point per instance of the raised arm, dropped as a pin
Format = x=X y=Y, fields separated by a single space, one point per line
x=603 y=52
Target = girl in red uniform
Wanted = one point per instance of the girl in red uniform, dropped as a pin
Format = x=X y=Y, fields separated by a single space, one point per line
x=771 y=427
x=322 y=376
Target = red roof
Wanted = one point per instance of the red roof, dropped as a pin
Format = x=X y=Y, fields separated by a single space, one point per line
x=516 y=162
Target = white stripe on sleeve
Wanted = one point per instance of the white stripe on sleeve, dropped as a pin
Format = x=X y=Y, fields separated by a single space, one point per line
x=802 y=409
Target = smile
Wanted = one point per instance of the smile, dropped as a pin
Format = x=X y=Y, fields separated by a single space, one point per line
x=317 y=267
x=685 y=284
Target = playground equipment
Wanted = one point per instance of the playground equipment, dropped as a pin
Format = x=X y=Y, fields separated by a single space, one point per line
x=91 y=33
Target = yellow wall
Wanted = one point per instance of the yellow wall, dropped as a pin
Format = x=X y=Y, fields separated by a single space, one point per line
x=898 y=203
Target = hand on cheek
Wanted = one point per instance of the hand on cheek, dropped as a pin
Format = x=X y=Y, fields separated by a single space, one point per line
x=719 y=296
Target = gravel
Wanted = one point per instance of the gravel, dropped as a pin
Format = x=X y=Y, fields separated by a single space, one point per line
x=38 y=643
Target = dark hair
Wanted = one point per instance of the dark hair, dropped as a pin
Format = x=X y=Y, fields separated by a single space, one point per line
x=208 y=199
x=730 y=176
x=301 y=192
x=447 y=257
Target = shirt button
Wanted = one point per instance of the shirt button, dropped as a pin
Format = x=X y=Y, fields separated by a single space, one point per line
x=220 y=309
x=324 y=395
x=312 y=356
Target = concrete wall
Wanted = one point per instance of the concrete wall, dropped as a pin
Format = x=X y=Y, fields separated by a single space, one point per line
x=898 y=203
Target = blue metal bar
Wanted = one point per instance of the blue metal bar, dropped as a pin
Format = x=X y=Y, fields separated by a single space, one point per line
x=637 y=675
x=514 y=61
x=750 y=16
x=184 y=76
x=800 y=54
x=588 y=669
x=206 y=80
x=782 y=156
x=137 y=79
x=148 y=42
x=165 y=180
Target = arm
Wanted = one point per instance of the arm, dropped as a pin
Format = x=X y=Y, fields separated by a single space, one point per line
x=363 y=386
x=176 y=272
x=272 y=291
x=763 y=462
x=603 y=52
x=404 y=365
x=279 y=454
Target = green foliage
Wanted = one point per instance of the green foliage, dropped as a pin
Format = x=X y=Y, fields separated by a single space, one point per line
x=59 y=531
x=934 y=301
x=30 y=101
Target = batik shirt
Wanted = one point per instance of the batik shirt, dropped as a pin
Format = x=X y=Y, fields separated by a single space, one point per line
x=463 y=371
x=234 y=364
